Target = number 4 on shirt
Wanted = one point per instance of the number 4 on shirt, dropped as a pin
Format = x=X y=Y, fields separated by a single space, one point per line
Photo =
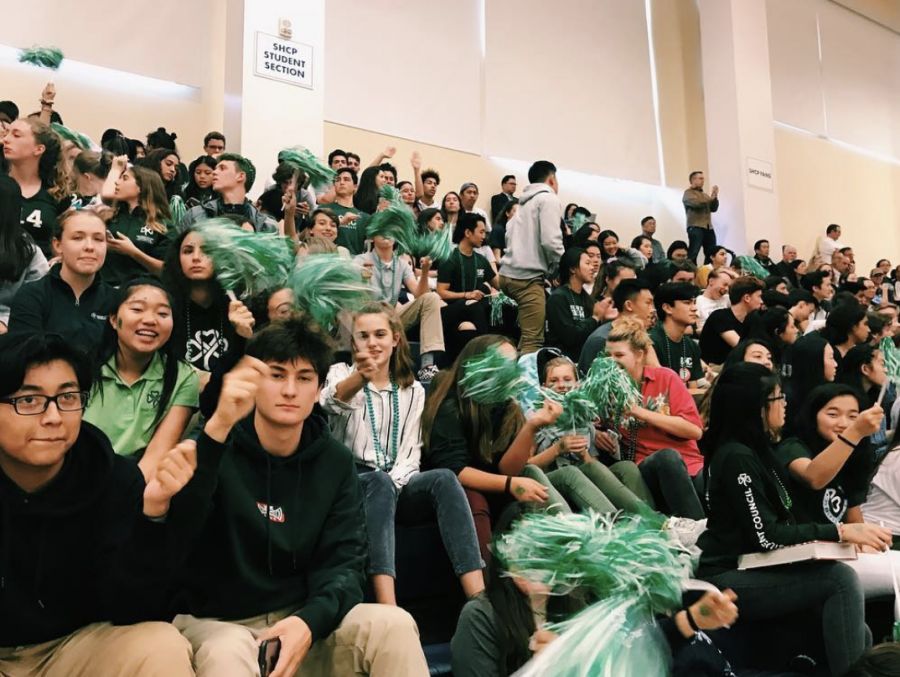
x=35 y=219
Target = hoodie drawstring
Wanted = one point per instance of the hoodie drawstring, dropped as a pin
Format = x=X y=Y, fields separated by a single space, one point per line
x=295 y=536
x=269 y=510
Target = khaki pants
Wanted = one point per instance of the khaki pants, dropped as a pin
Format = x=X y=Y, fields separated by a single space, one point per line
x=104 y=650
x=529 y=294
x=426 y=312
x=373 y=639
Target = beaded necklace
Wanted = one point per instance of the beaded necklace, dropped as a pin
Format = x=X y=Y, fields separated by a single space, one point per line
x=381 y=458
x=389 y=292
x=683 y=373
x=783 y=494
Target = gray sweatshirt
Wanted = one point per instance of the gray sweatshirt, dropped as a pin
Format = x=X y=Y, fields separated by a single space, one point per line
x=35 y=270
x=534 y=241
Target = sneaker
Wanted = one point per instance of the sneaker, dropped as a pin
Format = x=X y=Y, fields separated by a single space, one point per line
x=427 y=373
x=685 y=531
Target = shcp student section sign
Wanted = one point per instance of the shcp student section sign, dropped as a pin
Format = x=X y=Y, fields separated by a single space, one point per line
x=284 y=60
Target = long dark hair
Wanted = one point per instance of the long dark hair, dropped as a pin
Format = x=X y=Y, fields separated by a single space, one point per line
x=16 y=246
x=173 y=276
x=851 y=374
x=444 y=210
x=841 y=321
x=477 y=422
x=154 y=161
x=109 y=347
x=425 y=217
x=366 y=197
x=604 y=234
x=193 y=190
x=807 y=372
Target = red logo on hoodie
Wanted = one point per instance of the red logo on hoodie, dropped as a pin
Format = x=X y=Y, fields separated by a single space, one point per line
x=275 y=514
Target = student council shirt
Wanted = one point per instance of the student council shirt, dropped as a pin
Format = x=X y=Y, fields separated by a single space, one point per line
x=126 y=412
x=40 y=214
x=466 y=273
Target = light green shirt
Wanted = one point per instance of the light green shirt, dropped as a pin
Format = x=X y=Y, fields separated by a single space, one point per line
x=126 y=412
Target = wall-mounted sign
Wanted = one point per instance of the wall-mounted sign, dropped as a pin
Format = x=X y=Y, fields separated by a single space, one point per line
x=759 y=174
x=284 y=60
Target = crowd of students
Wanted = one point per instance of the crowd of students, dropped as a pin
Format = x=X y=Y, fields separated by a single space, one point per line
x=184 y=476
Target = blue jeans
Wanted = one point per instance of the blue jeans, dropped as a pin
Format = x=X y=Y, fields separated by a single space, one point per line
x=697 y=237
x=672 y=488
x=433 y=492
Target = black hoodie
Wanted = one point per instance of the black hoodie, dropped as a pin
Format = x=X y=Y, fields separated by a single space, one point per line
x=309 y=554
x=49 y=304
x=78 y=551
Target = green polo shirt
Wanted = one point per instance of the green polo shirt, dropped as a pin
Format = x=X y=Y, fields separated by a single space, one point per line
x=126 y=412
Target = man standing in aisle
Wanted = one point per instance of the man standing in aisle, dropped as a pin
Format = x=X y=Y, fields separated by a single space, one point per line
x=534 y=245
x=698 y=208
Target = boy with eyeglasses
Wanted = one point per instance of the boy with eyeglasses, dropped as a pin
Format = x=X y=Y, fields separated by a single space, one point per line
x=81 y=535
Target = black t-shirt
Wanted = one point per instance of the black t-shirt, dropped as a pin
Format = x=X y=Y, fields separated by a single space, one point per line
x=497 y=237
x=683 y=358
x=40 y=214
x=202 y=335
x=713 y=347
x=466 y=273
x=847 y=490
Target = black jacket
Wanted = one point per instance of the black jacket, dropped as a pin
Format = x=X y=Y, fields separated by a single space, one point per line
x=78 y=551
x=308 y=555
x=49 y=304
x=746 y=510
x=570 y=319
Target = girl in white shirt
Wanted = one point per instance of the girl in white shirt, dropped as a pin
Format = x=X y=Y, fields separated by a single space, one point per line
x=375 y=408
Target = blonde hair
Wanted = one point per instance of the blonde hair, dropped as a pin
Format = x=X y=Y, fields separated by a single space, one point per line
x=630 y=330
x=559 y=362
x=52 y=167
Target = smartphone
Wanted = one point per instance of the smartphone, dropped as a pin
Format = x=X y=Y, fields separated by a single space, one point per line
x=269 y=649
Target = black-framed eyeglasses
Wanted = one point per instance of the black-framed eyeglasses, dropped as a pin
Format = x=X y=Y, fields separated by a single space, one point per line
x=777 y=398
x=34 y=405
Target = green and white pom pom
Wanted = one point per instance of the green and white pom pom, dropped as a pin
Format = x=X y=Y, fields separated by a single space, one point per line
x=609 y=386
x=499 y=300
x=177 y=209
x=80 y=140
x=326 y=284
x=320 y=176
x=43 y=57
x=628 y=563
x=578 y=410
x=436 y=245
x=577 y=222
x=491 y=378
x=396 y=222
x=750 y=266
x=891 y=356
x=245 y=261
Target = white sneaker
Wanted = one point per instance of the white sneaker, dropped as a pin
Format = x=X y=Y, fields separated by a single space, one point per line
x=685 y=531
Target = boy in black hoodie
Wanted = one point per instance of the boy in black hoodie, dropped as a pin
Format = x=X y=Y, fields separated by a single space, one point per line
x=273 y=529
x=80 y=535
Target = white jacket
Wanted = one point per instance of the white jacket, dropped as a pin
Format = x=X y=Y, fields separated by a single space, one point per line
x=534 y=241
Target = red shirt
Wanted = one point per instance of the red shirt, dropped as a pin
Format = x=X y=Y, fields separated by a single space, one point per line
x=664 y=392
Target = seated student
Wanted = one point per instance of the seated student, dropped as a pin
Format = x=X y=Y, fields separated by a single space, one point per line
x=819 y=284
x=632 y=298
x=206 y=325
x=830 y=461
x=879 y=661
x=21 y=260
x=486 y=446
x=572 y=313
x=71 y=299
x=80 y=535
x=610 y=275
x=272 y=530
x=802 y=305
x=233 y=177
x=750 y=510
x=717 y=261
x=137 y=234
x=845 y=327
x=752 y=350
x=812 y=365
x=466 y=281
x=324 y=223
x=199 y=189
x=660 y=434
x=779 y=329
x=375 y=408
x=351 y=233
x=682 y=270
x=676 y=310
x=863 y=369
x=498 y=632
x=390 y=274
x=574 y=472
x=715 y=296
x=726 y=327
x=143 y=396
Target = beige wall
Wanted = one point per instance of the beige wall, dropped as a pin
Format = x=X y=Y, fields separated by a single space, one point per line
x=821 y=183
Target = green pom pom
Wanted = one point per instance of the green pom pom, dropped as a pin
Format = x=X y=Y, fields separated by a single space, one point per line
x=750 y=266
x=320 y=177
x=436 y=245
x=177 y=209
x=499 y=300
x=891 y=359
x=396 y=222
x=579 y=411
x=326 y=284
x=43 y=57
x=577 y=222
x=611 y=388
x=80 y=140
x=491 y=378
x=251 y=262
